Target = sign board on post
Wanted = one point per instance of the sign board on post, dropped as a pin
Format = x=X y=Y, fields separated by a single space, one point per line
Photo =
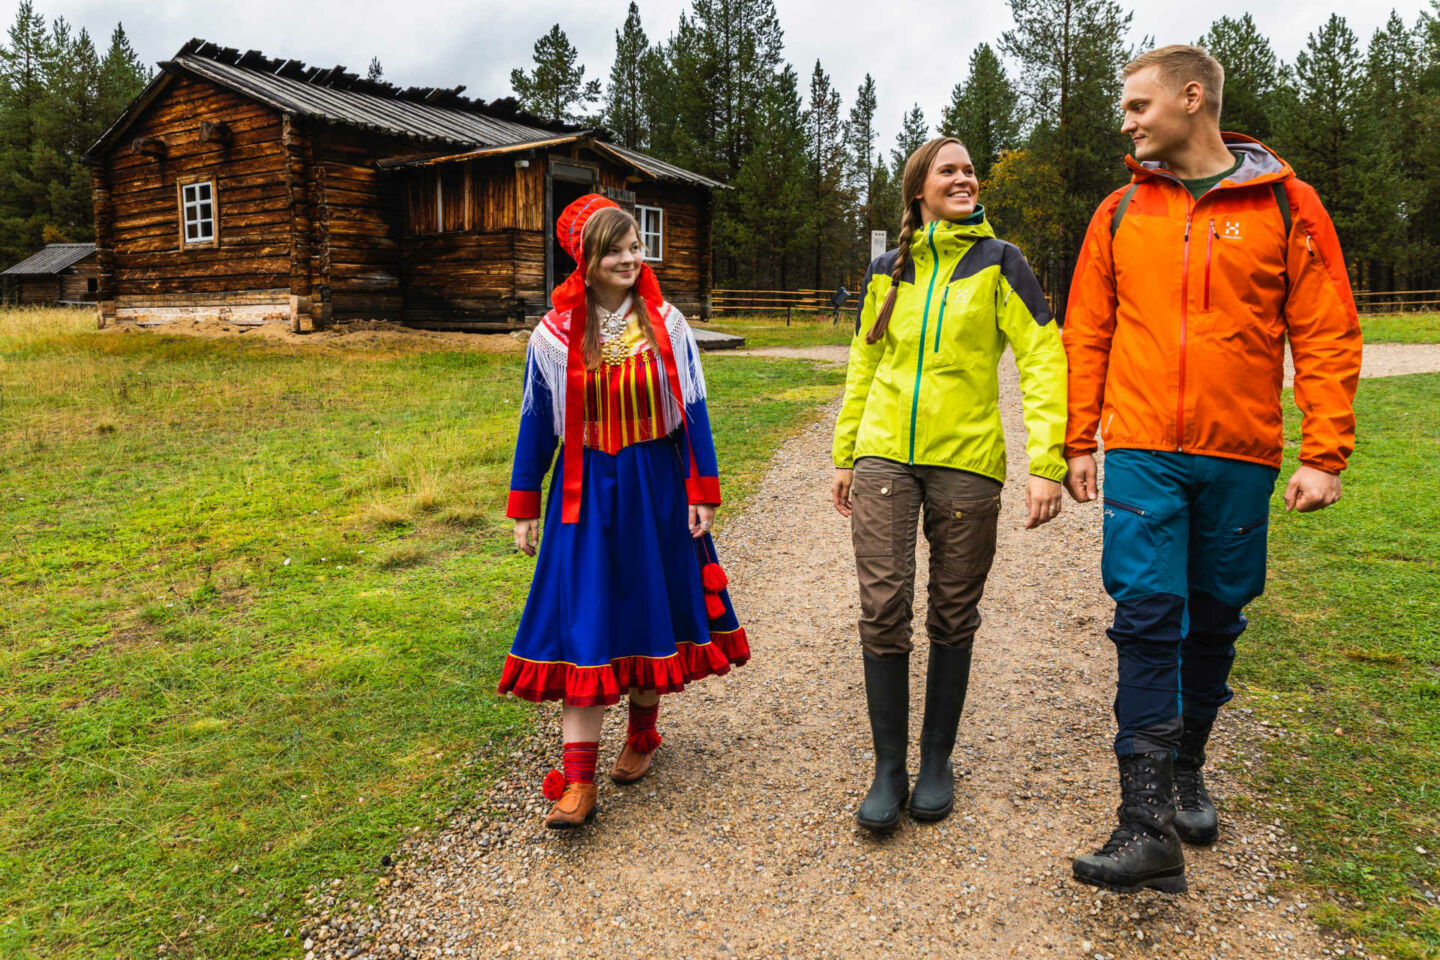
x=877 y=243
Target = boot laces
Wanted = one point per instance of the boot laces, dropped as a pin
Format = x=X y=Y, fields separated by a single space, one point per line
x=1121 y=838
x=1190 y=791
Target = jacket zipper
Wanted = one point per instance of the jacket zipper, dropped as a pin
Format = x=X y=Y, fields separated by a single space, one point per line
x=1184 y=322
x=940 y=320
x=924 y=326
x=1209 y=251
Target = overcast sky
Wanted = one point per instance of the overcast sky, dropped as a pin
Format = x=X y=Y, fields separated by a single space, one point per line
x=916 y=49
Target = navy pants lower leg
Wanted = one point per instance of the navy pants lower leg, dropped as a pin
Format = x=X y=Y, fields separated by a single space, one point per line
x=1184 y=553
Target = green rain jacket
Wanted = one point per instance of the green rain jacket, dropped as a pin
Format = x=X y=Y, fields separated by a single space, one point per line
x=928 y=392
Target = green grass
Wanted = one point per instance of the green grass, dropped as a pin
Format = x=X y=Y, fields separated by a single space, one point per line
x=1401 y=327
x=253 y=603
x=804 y=330
x=1344 y=654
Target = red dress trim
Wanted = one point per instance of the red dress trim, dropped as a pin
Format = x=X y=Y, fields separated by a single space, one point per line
x=523 y=505
x=606 y=684
x=702 y=489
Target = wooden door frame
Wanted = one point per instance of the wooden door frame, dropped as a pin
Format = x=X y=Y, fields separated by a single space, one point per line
x=566 y=176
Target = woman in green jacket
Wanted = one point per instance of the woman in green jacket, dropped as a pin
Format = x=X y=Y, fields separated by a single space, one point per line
x=920 y=428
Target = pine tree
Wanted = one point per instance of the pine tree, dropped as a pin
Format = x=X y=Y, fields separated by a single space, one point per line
x=829 y=200
x=23 y=199
x=914 y=134
x=766 y=230
x=1425 y=119
x=865 y=166
x=1321 y=127
x=122 y=75
x=1252 y=74
x=625 y=96
x=556 y=89
x=984 y=111
x=374 y=72
x=69 y=121
x=1070 y=52
x=1391 y=151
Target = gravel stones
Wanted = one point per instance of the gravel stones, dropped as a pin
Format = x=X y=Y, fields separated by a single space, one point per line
x=741 y=842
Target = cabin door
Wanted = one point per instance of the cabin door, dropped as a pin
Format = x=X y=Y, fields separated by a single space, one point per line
x=566 y=181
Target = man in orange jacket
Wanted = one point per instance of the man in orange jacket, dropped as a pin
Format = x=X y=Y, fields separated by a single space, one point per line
x=1191 y=279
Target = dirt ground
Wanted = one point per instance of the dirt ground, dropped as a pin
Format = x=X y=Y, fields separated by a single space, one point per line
x=742 y=842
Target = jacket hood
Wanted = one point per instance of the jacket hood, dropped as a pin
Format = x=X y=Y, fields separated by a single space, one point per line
x=1258 y=163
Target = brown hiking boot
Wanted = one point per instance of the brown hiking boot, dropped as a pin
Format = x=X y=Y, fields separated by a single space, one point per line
x=575 y=807
x=632 y=764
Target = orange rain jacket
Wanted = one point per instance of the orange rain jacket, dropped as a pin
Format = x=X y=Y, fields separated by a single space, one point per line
x=1179 y=311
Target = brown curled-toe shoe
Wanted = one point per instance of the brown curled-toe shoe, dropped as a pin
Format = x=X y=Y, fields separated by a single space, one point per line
x=633 y=763
x=574 y=808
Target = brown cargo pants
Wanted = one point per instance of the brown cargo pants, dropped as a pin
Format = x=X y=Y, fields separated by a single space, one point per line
x=962 y=511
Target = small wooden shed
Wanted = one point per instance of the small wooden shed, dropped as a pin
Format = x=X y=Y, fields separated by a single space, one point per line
x=253 y=189
x=60 y=274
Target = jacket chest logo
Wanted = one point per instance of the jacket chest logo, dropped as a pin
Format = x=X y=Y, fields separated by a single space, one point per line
x=958 y=294
x=1231 y=230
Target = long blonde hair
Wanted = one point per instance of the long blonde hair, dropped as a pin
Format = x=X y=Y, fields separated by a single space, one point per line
x=603 y=230
x=917 y=168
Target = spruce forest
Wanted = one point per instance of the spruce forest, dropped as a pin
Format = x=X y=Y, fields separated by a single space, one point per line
x=811 y=173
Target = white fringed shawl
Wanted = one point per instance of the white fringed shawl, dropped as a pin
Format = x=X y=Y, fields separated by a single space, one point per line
x=549 y=354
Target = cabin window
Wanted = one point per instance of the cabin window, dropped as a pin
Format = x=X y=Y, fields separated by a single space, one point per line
x=92 y=285
x=197 y=212
x=652 y=231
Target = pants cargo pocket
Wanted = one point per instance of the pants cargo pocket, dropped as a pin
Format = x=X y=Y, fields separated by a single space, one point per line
x=962 y=533
x=1238 y=573
x=872 y=522
x=1135 y=556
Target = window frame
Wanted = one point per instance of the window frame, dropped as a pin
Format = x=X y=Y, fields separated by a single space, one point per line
x=652 y=255
x=213 y=240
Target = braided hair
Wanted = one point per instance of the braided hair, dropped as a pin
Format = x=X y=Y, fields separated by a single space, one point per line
x=917 y=168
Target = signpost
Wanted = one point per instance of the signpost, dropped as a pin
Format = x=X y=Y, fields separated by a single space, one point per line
x=878 y=243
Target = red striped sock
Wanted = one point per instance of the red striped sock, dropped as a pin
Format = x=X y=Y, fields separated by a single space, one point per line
x=580 y=762
x=641 y=733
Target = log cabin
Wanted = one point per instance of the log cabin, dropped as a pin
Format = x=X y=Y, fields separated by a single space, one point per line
x=250 y=189
x=60 y=274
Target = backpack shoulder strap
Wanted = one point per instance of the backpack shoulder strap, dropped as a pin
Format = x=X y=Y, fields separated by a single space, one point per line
x=1121 y=207
x=1282 y=200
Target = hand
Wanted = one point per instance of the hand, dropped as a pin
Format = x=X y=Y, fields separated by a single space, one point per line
x=527 y=533
x=1080 y=481
x=1311 y=489
x=840 y=491
x=1042 y=499
x=702 y=518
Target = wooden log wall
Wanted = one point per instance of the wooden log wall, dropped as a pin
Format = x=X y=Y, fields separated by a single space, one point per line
x=358 y=223
x=138 y=220
x=37 y=291
x=75 y=282
x=304 y=313
x=684 y=272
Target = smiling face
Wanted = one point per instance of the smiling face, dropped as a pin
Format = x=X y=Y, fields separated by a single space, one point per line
x=950 y=190
x=1159 y=119
x=618 y=267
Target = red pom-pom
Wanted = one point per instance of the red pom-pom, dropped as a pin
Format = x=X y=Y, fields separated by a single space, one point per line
x=714 y=606
x=646 y=741
x=553 y=786
x=713 y=577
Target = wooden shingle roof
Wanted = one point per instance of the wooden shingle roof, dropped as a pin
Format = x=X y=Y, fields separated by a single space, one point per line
x=440 y=116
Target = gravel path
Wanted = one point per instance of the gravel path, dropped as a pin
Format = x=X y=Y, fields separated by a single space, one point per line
x=1381 y=359
x=741 y=842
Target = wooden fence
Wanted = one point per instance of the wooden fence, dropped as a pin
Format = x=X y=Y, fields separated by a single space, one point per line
x=812 y=305
x=808 y=305
x=1397 y=301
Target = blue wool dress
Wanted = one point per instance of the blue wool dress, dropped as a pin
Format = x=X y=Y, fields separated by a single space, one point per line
x=620 y=598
